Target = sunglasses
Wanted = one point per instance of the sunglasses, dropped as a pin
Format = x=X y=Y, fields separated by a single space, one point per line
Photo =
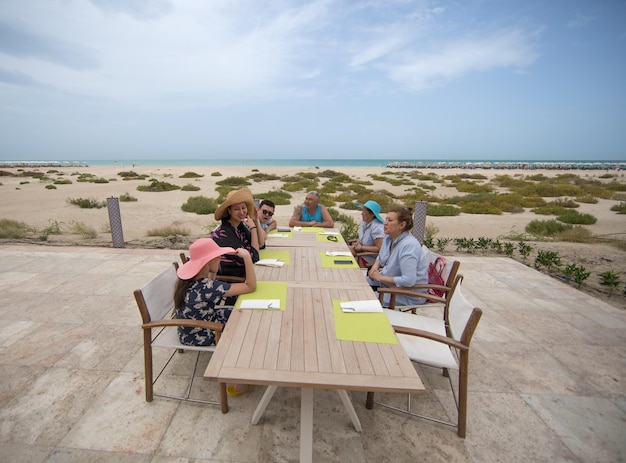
x=332 y=238
x=266 y=212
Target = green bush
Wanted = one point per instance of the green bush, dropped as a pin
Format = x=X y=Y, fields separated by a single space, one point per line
x=190 y=187
x=86 y=203
x=127 y=198
x=480 y=208
x=236 y=182
x=216 y=174
x=12 y=229
x=157 y=186
x=259 y=177
x=619 y=208
x=576 y=234
x=63 y=181
x=201 y=205
x=574 y=217
x=546 y=227
x=50 y=187
x=170 y=230
x=191 y=175
x=442 y=210
x=278 y=197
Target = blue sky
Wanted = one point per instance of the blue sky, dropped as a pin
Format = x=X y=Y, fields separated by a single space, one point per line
x=245 y=79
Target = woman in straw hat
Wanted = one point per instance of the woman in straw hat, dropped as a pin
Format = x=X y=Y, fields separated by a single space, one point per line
x=371 y=233
x=237 y=230
x=198 y=294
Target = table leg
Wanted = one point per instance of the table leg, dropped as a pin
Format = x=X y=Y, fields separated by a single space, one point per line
x=265 y=400
x=347 y=403
x=306 y=425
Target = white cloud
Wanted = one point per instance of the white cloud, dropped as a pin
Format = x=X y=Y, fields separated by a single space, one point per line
x=451 y=60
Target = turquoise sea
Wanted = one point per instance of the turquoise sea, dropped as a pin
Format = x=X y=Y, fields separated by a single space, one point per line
x=421 y=163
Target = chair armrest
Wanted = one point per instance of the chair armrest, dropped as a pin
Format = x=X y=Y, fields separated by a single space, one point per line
x=219 y=327
x=406 y=292
x=432 y=336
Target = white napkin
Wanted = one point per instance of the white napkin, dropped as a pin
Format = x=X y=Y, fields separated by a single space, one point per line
x=329 y=233
x=339 y=253
x=297 y=228
x=362 y=306
x=270 y=262
x=268 y=304
x=278 y=235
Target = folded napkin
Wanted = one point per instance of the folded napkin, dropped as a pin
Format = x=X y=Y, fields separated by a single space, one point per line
x=270 y=263
x=329 y=233
x=268 y=304
x=278 y=235
x=339 y=253
x=362 y=306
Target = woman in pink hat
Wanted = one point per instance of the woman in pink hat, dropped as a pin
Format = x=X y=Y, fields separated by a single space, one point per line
x=198 y=293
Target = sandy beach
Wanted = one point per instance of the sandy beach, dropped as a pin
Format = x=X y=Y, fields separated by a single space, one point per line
x=27 y=200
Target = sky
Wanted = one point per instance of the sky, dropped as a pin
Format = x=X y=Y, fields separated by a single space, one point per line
x=272 y=79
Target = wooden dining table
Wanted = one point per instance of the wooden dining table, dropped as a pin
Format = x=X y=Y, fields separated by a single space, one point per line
x=310 y=343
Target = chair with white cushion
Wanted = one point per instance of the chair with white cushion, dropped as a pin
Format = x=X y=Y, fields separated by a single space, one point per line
x=440 y=343
x=156 y=306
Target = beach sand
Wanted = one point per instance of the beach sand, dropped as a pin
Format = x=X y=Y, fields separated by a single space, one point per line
x=27 y=200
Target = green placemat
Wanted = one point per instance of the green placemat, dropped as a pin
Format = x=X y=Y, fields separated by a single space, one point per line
x=329 y=261
x=267 y=290
x=282 y=255
x=363 y=327
x=325 y=238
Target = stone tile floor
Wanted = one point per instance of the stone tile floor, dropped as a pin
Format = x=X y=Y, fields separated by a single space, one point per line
x=547 y=376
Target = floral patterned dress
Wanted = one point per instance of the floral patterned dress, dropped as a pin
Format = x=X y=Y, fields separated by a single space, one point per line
x=200 y=301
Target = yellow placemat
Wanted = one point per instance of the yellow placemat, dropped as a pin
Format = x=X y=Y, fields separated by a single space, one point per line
x=267 y=290
x=282 y=255
x=362 y=327
x=329 y=261
x=329 y=238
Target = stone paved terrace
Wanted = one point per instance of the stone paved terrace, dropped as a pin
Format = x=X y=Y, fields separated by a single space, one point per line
x=547 y=376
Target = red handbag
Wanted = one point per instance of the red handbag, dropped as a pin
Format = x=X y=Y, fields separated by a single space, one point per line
x=435 y=276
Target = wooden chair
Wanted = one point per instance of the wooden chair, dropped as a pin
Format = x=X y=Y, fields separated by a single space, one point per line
x=219 y=276
x=156 y=304
x=440 y=343
x=358 y=255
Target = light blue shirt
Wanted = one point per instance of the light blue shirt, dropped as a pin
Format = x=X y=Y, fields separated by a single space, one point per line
x=368 y=233
x=406 y=262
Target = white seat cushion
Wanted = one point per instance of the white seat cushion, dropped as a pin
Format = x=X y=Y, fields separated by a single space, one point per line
x=419 y=349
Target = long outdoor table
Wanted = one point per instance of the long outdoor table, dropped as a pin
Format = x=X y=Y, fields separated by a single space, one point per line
x=299 y=346
x=306 y=237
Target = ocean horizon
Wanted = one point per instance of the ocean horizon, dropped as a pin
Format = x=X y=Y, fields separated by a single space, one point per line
x=417 y=163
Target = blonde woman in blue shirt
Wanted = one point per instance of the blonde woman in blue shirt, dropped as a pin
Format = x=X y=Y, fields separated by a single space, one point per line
x=401 y=261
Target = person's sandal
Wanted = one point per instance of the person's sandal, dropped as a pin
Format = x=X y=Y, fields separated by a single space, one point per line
x=233 y=392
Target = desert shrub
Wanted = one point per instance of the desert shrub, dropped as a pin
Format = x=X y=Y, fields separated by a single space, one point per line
x=480 y=208
x=87 y=203
x=63 y=181
x=237 y=182
x=442 y=210
x=13 y=229
x=619 y=208
x=279 y=197
x=50 y=187
x=576 y=234
x=328 y=173
x=549 y=209
x=302 y=184
x=127 y=198
x=86 y=231
x=259 y=177
x=128 y=174
x=101 y=180
x=567 y=203
x=471 y=187
x=53 y=229
x=170 y=230
x=587 y=199
x=201 y=205
x=157 y=186
x=546 y=227
x=190 y=175
x=216 y=174
x=190 y=187
x=548 y=259
x=575 y=217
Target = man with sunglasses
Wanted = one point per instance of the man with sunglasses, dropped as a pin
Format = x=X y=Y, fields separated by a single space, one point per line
x=266 y=222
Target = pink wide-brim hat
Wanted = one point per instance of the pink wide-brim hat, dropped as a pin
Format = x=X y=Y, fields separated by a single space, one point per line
x=201 y=251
